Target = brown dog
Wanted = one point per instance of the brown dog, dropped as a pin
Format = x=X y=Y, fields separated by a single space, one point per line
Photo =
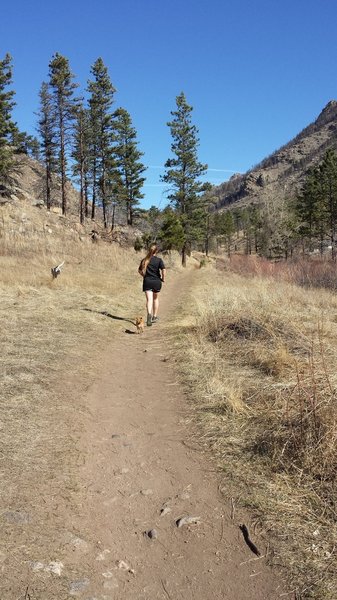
x=140 y=324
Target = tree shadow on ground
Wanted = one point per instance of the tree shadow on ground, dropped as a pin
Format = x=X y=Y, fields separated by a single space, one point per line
x=107 y=314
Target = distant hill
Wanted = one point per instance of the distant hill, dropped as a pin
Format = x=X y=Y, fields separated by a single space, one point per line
x=281 y=174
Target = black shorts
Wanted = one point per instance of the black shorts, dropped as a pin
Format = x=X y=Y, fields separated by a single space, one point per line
x=150 y=284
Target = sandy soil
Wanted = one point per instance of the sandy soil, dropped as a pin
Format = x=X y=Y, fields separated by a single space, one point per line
x=138 y=473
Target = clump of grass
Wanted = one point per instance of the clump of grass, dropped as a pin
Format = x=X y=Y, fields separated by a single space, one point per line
x=260 y=364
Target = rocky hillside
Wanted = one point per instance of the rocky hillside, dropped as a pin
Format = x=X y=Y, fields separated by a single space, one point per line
x=281 y=174
x=23 y=212
x=27 y=183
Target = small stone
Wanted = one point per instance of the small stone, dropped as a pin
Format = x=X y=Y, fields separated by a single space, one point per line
x=107 y=575
x=54 y=567
x=78 y=586
x=17 y=517
x=121 y=564
x=103 y=555
x=148 y=492
x=79 y=543
x=37 y=566
x=187 y=521
x=152 y=534
x=125 y=470
x=184 y=496
x=165 y=511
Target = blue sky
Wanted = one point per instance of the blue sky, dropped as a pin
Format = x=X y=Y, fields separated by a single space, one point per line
x=256 y=72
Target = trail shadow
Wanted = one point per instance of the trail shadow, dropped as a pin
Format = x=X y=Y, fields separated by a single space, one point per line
x=107 y=314
x=130 y=332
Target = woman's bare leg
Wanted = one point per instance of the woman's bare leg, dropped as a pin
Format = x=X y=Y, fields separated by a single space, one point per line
x=149 y=302
x=155 y=304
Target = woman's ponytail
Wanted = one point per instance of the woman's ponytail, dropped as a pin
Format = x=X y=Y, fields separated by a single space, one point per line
x=145 y=261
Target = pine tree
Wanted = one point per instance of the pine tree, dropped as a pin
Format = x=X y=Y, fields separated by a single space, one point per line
x=316 y=205
x=308 y=207
x=47 y=136
x=6 y=124
x=328 y=190
x=154 y=218
x=228 y=228
x=172 y=236
x=128 y=163
x=182 y=173
x=81 y=156
x=23 y=143
x=102 y=162
x=210 y=201
x=62 y=88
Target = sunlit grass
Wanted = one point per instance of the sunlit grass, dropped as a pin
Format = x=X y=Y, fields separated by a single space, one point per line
x=259 y=361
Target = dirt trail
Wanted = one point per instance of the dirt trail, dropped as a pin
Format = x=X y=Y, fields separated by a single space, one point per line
x=137 y=462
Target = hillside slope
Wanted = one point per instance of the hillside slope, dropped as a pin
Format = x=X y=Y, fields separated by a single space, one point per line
x=28 y=183
x=281 y=174
x=23 y=210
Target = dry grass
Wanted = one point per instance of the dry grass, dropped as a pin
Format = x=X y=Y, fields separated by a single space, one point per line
x=52 y=335
x=313 y=272
x=259 y=360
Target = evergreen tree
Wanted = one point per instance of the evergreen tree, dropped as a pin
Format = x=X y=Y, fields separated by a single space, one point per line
x=227 y=230
x=172 y=236
x=81 y=154
x=6 y=124
x=62 y=88
x=154 y=218
x=128 y=163
x=23 y=143
x=287 y=231
x=328 y=190
x=209 y=204
x=182 y=173
x=102 y=162
x=47 y=136
x=308 y=207
x=316 y=206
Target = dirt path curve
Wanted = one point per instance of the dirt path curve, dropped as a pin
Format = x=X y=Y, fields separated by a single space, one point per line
x=138 y=463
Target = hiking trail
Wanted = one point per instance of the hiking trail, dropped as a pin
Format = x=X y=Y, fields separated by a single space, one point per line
x=140 y=476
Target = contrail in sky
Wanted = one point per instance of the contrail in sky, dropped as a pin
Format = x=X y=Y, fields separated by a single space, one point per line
x=154 y=184
x=217 y=170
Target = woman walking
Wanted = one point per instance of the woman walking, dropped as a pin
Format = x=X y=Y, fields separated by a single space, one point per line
x=153 y=271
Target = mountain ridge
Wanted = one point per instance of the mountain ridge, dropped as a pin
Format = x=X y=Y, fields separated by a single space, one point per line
x=282 y=173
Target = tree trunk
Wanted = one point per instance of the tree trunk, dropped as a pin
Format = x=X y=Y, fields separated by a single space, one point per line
x=86 y=201
x=82 y=197
x=93 y=205
x=48 y=186
x=63 y=163
x=113 y=216
x=184 y=255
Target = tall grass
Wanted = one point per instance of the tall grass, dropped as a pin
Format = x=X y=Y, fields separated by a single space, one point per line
x=259 y=358
x=305 y=271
